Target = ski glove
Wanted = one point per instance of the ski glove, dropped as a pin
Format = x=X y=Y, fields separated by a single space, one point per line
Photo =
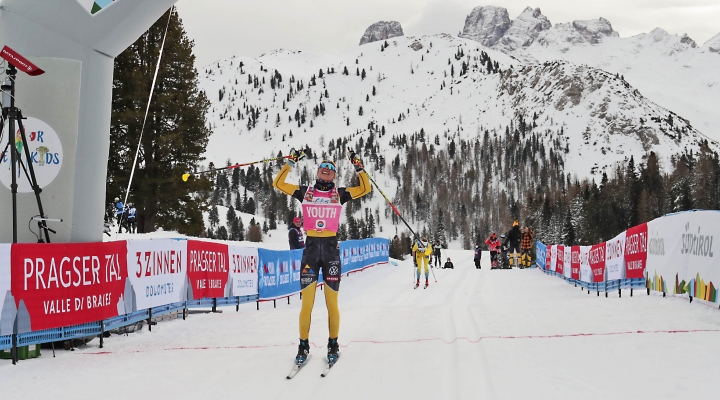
x=294 y=157
x=356 y=162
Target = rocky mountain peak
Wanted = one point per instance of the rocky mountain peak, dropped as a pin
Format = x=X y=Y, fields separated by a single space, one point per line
x=525 y=29
x=382 y=30
x=487 y=25
x=593 y=31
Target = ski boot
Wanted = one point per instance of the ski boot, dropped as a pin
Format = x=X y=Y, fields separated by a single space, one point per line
x=332 y=354
x=303 y=352
x=426 y=283
x=417 y=283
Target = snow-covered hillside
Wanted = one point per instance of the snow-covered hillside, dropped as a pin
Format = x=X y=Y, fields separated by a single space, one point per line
x=671 y=70
x=417 y=84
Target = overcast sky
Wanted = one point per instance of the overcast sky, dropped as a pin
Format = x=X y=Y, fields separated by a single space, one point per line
x=223 y=28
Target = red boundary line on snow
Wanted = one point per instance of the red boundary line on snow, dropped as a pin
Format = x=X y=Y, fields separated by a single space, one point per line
x=473 y=341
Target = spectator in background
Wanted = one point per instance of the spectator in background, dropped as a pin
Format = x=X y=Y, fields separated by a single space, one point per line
x=449 y=264
x=131 y=214
x=525 y=247
x=436 y=253
x=295 y=235
x=478 y=256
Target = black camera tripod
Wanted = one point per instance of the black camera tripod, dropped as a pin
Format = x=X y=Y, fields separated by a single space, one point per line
x=14 y=115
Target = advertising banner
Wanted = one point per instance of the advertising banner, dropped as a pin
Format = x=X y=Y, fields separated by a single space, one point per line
x=279 y=273
x=575 y=262
x=58 y=285
x=585 y=270
x=596 y=259
x=243 y=271
x=567 y=267
x=553 y=258
x=540 y=255
x=560 y=263
x=636 y=251
x=615 y=258
x=682 y=257
x=358 y=254
x=208 y=269
x=7 y=303
x=548 y=250
x=157 y=273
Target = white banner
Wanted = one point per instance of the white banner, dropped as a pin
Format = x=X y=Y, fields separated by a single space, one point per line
x=682 y=249
x=243 y=279
x=567 y=258
x=615 y=258
x=7 y=303
x=157 y=273
x=585 y=270
x=553 y=257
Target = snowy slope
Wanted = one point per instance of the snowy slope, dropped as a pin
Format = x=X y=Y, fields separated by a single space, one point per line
x=475 y=334
x=599 y=118
x=671 y=70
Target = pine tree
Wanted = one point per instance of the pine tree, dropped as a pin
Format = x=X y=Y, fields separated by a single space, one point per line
x=175 y=136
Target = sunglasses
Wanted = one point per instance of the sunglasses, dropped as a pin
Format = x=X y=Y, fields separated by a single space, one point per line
x=327 y=166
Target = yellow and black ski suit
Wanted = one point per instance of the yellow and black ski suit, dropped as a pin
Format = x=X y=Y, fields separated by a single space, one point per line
x=321 y=252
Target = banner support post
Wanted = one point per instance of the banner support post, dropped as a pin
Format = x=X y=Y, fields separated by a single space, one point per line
x=184 y=309
x=214 y=308
x=14 y=351
x=237 y=307
x=102 y=333
x=149 y=320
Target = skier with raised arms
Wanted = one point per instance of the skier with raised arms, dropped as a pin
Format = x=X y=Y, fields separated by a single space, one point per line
x=321 y=207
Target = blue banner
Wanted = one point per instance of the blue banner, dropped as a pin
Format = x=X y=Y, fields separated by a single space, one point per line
x=278 y=273
x=359 y=254
x=540 y=254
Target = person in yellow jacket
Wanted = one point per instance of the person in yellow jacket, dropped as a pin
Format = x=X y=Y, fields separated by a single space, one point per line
x=321 y=207
x=421 y=252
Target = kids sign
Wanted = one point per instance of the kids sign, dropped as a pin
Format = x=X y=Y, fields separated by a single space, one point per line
x=69 y=284
x=46 y=154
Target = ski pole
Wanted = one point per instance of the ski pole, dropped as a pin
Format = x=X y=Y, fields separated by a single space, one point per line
x=186 y=176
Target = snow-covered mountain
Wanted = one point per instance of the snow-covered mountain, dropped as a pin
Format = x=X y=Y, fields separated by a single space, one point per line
x=670 y=70
x=419 y=84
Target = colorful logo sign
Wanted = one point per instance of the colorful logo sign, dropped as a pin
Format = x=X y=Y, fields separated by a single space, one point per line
x=46 y=154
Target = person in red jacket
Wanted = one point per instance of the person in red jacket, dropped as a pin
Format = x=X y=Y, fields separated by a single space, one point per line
x=493 y=244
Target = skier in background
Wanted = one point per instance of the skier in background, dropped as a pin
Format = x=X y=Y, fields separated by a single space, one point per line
x=436 y=253
x=514 y=236
x=478 y=256
x=131 y=216
x=295 y=235
x=525 y=246
x=493 y=245
x=449 y=264
x=322 y=208
x=421 y=252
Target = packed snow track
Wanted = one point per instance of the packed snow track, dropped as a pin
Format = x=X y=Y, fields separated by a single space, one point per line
x=476 y=334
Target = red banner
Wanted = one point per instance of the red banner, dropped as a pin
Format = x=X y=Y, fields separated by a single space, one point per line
x=69 y=284
x=560 y=267
x=636 y=241
x=596 y=259
x=575 y=262
x=208 y=268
